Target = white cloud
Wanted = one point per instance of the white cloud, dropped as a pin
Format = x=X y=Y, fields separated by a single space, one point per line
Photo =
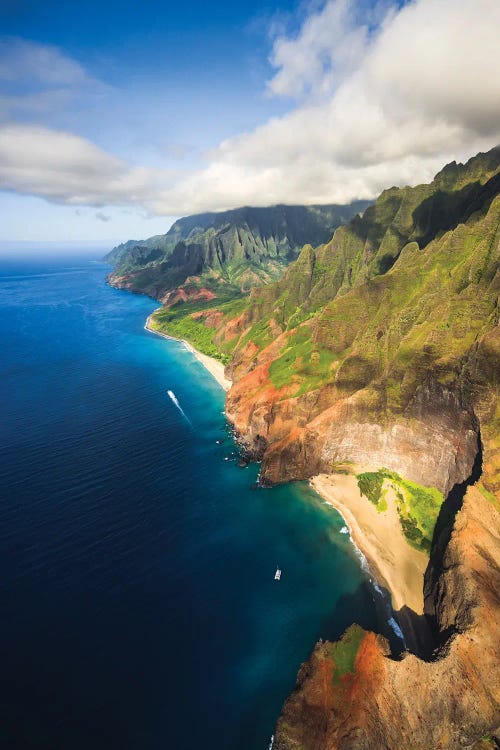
x=441 y=58
x=326 y=48
x=38 y=79
x=386 y=99
x=24 y=60
x=36 y=82
x=66 y=168
x=384 y=96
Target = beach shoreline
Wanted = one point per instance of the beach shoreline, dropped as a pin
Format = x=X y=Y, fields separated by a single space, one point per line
x=394 y=564
x=212 y=365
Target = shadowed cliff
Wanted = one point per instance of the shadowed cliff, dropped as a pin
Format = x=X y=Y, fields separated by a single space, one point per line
x=235 y=249
x=451 y=701
x=381 y=348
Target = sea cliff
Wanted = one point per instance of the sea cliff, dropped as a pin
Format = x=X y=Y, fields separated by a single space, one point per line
x=377 y=357
x=352 y=695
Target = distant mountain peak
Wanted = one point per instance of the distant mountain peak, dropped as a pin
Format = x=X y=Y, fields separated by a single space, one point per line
x=240 y=247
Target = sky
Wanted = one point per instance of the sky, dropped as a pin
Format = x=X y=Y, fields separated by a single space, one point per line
x=118 y=116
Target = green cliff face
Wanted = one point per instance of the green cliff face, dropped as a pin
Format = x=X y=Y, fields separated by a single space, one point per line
x=380 y=349
x=237 y=249
x=381 y=341
x=406 y=219
x=398 y=295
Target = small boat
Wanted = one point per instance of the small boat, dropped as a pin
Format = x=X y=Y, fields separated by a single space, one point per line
x=277 y=575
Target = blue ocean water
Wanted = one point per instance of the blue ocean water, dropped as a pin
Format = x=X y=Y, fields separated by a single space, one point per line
x=139 y=607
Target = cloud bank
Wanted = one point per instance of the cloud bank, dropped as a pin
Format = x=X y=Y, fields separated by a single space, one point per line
x=381 y=101
x=65 y=168
x=379 y=95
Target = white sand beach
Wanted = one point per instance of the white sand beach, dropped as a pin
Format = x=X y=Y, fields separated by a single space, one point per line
x=394 y=563
x=214 y=367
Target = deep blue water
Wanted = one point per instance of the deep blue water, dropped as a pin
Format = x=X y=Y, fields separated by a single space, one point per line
x=138 y=604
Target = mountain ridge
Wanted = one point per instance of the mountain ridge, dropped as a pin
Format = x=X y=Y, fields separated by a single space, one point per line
x=381 y=349
x=237 y=248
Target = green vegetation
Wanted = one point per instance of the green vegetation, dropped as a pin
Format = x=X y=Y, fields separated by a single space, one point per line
x=418 y=507
x=186 y=327
x=231 y=308
x=343 y=653
x=244 y=247
x=178 y=321
x=370 y=485
x=260 y=334
x=489 y=496
x=302 y=363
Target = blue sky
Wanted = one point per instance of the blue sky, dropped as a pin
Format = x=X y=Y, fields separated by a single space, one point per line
x=117 y=117
x=171 y=81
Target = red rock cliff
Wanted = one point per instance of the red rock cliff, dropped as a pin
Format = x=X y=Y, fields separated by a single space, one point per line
x=448 y=703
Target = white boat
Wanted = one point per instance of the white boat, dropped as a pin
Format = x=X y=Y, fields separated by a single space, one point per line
x=277 y=575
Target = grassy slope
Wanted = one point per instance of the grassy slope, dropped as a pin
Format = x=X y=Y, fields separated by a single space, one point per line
x=343 y=653
x=242 y=247
x=404 y=295
x=426 y=310
x=178 y=321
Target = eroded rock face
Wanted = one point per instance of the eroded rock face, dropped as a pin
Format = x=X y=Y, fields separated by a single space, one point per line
x=448 y=703
x=382 y=346
x=306 y=435
x=433 y=440
x=246 y=246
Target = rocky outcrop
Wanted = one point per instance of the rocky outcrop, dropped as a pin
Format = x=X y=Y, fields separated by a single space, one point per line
x=297 y=437
x=382 y=348
x=349 y=359
x=447 y=703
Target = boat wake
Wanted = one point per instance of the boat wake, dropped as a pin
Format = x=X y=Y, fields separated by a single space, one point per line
x=174 y=400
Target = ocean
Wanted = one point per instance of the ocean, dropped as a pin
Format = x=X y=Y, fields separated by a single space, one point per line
x=139 y=606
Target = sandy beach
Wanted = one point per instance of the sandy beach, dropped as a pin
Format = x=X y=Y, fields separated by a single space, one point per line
x=214 y=367
x=394 y=564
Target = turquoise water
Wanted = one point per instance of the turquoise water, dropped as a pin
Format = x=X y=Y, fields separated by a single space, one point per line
x=139 y=607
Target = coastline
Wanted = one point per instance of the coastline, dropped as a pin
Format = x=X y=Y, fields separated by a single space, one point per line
x=214 y=367
x=395 y=565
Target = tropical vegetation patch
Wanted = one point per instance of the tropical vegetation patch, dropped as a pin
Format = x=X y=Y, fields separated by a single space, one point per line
x=418 y=507
x=343 y=653
x=303 y=363
x=371 y=485
x=178 y=321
